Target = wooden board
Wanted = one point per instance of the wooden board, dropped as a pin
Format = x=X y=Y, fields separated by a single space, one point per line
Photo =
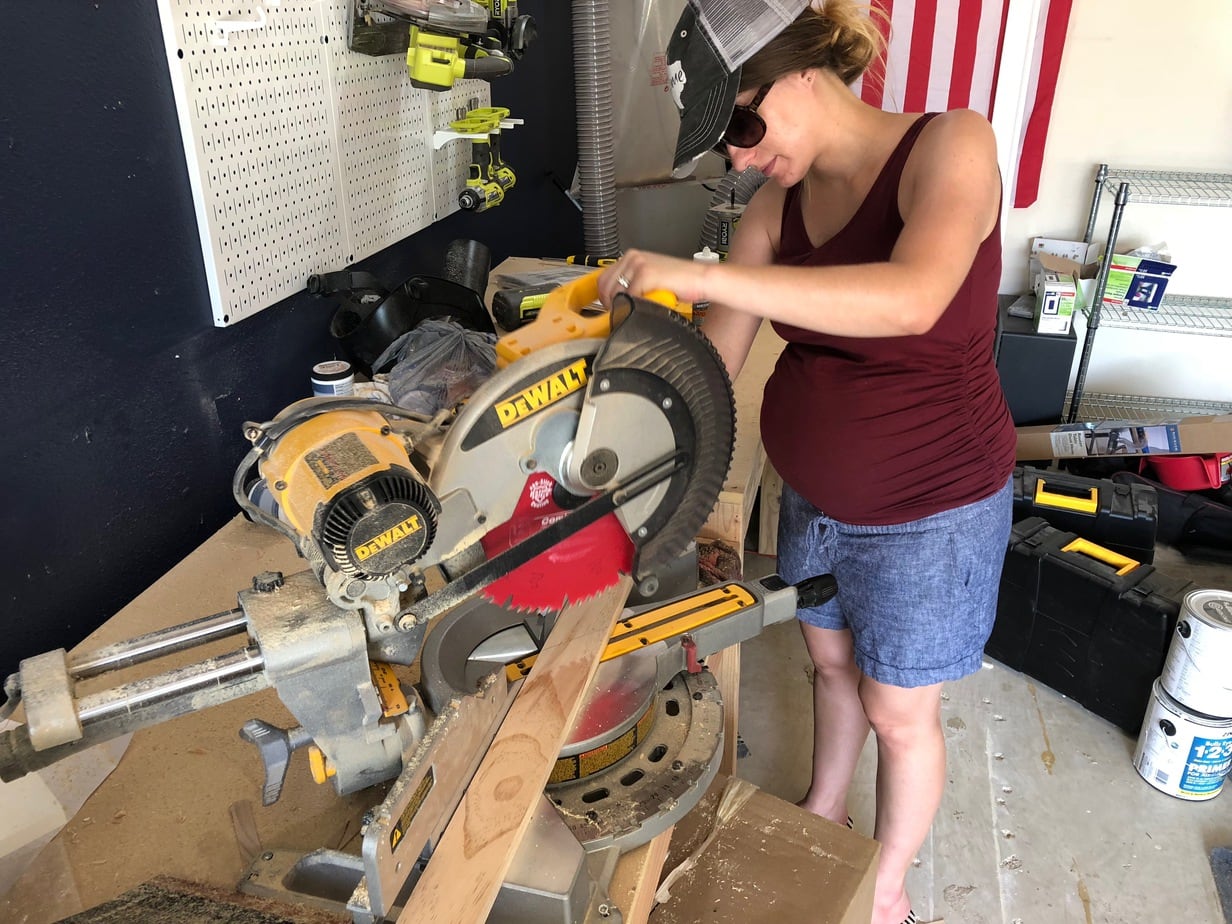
x=466 y=870
x=725 y=665
x=179 y=778
x=636 y=878
x=768 y=512
x=730 y=519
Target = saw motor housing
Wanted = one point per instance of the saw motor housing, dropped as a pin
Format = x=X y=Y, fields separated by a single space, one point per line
x=345 y=484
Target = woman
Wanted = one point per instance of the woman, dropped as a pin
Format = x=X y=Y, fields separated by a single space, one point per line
x=875 y=251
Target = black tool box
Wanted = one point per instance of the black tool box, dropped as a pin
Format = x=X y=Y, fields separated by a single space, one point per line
x=1120 y=517
x=1087 y=622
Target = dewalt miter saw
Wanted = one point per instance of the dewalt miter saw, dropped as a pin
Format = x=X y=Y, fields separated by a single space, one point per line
x=451 y=544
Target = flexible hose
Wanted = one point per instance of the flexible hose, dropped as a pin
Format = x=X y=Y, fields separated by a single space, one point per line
x=592 y=64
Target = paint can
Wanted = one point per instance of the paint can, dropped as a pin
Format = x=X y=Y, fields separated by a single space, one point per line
x=333 y=377
x=1198 y=671
x=1181 y=753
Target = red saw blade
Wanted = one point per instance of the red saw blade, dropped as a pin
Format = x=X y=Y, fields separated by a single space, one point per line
x=589 y=561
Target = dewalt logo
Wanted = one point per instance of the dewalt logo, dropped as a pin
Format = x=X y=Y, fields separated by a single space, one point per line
x=396 y=533
x=548 y=391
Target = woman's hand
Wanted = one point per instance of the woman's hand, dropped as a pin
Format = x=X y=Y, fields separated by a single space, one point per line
x=639 y=272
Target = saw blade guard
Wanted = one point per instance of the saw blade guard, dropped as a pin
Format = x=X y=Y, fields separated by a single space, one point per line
x=662 y=371
x=594 y=400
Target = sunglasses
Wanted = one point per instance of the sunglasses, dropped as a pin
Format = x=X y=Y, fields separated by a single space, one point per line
x=745 y=128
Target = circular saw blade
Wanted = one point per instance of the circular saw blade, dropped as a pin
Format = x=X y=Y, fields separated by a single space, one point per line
x=572 y=570
x=654 y=389
x=656 y=352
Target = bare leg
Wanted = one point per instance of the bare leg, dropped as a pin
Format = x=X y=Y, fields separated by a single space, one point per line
x=910 y=781
x=839 y=726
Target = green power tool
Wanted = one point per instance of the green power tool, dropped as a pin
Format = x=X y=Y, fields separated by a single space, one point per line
x=488 y=176
x=447 y=40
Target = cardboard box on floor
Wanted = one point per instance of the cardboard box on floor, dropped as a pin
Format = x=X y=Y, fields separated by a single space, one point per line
x=770 y=861
x=1211 y=433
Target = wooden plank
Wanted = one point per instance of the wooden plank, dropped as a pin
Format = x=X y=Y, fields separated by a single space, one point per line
x=636 y=878
x=748 y=455
x=466 y=870
x=768 y=512
x=732 y=513
x=727 y=523
x=725 y=665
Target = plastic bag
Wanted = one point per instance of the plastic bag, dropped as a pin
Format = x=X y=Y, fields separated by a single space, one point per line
x=1158 y=251
x=438 y=364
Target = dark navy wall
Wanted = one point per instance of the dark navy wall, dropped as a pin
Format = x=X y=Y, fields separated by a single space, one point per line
x=121 y=403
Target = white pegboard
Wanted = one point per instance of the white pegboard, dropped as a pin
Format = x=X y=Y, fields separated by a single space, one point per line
x=303 y=156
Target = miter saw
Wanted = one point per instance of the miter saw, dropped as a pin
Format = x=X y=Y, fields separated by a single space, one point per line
x=451 y=544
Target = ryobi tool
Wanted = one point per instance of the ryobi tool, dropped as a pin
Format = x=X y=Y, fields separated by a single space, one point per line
x=444 y=40
x=488 y=176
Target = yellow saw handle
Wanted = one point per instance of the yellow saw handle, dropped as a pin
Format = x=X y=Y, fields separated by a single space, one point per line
x=570 y=312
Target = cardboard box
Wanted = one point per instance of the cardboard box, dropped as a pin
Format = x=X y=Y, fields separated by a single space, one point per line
x=1133 y=282
x=1136 y=282
x=1079 y=252
x=1057 y=295
x=37 y=806
x=769 y=862
x=1210 y=433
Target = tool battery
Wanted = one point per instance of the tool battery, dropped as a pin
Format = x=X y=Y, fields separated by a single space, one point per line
x=514 y=307
x=1120 y=517
x=1090 y=623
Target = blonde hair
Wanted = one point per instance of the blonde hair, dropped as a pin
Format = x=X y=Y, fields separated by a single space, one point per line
x=841 y=37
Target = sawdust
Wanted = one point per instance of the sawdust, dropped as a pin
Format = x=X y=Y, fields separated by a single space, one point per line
x=166 y=900
x=717 y=562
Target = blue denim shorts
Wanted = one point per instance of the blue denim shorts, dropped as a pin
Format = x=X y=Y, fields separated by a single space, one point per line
x=919 y=597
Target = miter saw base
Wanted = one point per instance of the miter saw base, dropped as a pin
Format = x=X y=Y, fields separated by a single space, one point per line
x=662 y=777
x=552 y=880
x=640 y=756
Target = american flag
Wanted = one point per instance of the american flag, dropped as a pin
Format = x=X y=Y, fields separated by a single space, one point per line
x=946 y=54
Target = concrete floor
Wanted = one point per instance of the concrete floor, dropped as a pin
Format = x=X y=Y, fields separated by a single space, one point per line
x=1044 y=819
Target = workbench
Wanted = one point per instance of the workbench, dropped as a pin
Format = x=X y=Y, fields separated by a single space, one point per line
x=185 y=799
x=167 y=808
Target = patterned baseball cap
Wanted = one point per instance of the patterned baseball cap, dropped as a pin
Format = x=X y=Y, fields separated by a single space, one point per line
x=712 y=39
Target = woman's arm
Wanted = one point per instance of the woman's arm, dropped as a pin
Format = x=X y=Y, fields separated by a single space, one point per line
x=949 y=198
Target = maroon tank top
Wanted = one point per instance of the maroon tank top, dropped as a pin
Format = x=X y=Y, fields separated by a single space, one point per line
x=885 y=430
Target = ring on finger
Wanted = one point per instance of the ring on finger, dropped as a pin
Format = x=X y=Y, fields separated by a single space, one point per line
x=624 y=283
